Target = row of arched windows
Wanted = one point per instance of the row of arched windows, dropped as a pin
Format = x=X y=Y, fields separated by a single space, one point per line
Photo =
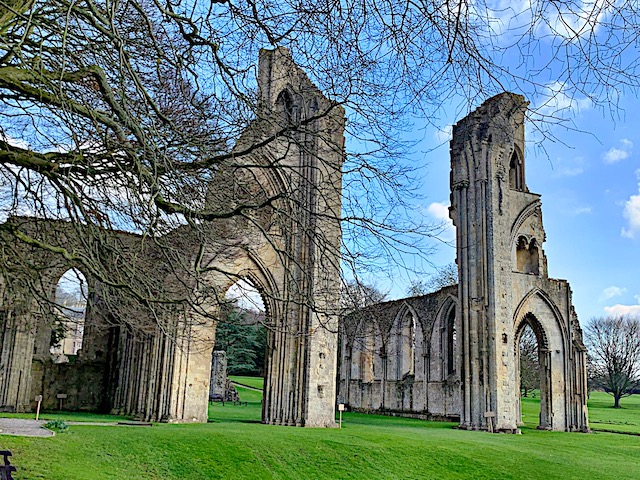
x=401 y=348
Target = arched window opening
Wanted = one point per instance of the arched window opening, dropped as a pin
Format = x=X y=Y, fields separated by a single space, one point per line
x=406 y=346
x=241 y=331
x=367 y=354
x=452 y=341
x=516 y=172
x=287 y=109
x=70 y=310
x=527 y=256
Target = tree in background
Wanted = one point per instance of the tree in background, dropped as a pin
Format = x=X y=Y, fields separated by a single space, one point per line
x=241 y=334
x=356 y=294
x=614 y=351
x=444 y=277
x=529 y=361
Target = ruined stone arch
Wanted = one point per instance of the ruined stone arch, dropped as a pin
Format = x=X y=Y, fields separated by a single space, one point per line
x=533 y=208
x=544 y=317
x=361 y=361
x=259 y=276
x=69 y=318
x=443 y=346
x=404 y=333
x=291 y=246
x=540 y=297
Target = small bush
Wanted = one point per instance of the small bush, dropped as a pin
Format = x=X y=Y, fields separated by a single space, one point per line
x=57 y=426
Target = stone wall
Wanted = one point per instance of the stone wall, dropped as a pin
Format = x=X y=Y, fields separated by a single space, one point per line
x=401 y=357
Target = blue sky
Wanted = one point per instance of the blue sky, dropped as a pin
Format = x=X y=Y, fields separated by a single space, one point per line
x=590 y=188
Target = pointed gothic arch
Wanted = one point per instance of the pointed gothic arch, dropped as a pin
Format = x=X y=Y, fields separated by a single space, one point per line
x=539 y=311
x=403 y=337
x=516 y=170
x=444 y=352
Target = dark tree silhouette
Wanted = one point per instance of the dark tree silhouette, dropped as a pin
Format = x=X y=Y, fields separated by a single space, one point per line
x=614 y=350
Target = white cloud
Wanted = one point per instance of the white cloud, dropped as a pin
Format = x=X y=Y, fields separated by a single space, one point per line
x=615 y=154
x=631 y=213
x=440 y=211
x=570 y=171
x=443 y=135
x=570 y=167
x=618 y=309
x=582 y=210
x=555 y=99
x=611 y=292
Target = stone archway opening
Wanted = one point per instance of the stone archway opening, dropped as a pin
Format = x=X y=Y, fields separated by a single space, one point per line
x=240 y=342
x=534 y=374
x=69 y=312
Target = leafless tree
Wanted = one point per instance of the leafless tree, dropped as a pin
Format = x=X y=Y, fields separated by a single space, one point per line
x=356 y=295
x=444 y=277
x=120 y=114
x=614 y=349
x=529 y=362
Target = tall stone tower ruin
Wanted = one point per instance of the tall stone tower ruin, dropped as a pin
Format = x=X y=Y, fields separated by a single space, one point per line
x=503 y=280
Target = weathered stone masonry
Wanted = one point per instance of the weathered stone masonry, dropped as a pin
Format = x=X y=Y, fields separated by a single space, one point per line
x=290 y=250
x=468 y=366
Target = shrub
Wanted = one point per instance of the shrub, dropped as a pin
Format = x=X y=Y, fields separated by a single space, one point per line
x=57 y=426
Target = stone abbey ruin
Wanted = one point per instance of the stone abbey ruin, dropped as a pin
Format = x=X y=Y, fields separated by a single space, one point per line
x=454 y=354
x=451 y=354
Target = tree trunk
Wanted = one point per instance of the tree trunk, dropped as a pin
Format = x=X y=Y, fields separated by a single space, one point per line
x=616 y=400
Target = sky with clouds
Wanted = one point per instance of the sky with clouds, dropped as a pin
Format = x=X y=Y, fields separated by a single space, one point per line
x=589 y=180
x=588 y=174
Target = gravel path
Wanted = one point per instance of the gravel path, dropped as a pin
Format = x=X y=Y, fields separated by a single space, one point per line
x=24 y=427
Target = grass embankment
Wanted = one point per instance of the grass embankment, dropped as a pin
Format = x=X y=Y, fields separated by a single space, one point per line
x=235 y=445
x=255 y=382
x=602 y=415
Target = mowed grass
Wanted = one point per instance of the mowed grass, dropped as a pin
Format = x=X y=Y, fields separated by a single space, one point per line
x=602 y=415
x=70 y=416
x=255 y=382
x=235 y=445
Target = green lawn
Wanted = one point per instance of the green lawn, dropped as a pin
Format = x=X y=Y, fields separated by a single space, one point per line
x=255 y=382
x=235 y=445
x=602 y=415
x=70 y=416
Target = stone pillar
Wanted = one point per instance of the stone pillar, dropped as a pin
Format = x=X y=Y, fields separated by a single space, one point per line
x=300 y=375
x=16 y=354
x=482 y=144
x=218 y=374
